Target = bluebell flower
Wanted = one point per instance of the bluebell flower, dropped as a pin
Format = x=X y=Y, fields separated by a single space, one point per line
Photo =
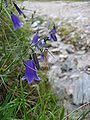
x=53 y=30
x=19 y=10
x=41 y=43
x=52 y=34
x=35 y=59
x=30 y=72
x=42 y=57
x=16 y=21
x=35 y=39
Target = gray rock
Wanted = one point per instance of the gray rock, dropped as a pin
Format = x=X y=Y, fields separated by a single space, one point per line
x=83 y=61
x=66 y=47
x=35 y=24
x=70 y=50
x=53 y=59
x=81 y=52
x=54 y=44
x=69 y=64
x=75 y=84
x=58 y=79
x=81 y=89
x=55 y=51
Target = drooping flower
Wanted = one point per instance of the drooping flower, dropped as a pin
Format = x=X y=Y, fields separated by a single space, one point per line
x=53 y=30
x=35 y=39
x=18 y=9
x=30 y=72
x=35 y=59
x=41 y=43
x=16 y=21
x=42 y=57
x=52 y=34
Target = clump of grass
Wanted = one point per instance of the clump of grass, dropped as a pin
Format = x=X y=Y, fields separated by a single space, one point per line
x=69 y=35
x=36 y=101
x=64 y=31
x=75 y=39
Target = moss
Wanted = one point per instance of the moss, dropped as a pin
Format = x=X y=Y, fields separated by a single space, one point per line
x=63 y=31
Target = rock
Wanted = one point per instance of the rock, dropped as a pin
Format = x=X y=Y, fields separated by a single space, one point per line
x=35 y=24
x=83 y=61
x=53 y=59
x=69 y=64
x=55 y=71
x=70 y=50
x=55 y=51
x=81 y=89
x=56 y=59
x=66 y=47
x=75 y=84
x=63 y=57
x=87 y=68
x=81 y=52
x=54 y=44
x=56 y=81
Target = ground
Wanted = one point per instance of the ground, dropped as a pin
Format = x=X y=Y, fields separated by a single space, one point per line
x=76 y=12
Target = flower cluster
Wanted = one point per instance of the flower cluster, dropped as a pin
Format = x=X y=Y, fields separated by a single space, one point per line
x=36 y=44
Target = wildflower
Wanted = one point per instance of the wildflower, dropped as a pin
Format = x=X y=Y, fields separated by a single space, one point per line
x=52 y=34
x=36 y=62
x=19 y=10
x=30 y=72
x=53 y=30
x=41 y=43
x=42 y=57
x=35 y=39
x=16 y=21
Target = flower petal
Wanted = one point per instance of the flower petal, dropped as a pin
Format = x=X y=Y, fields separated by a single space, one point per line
x=16 y=21
x=30 y=79
x=37 y=77
x=53 y=36
x=53 y=30
x=24 y=78
x=35 y=59
x=42 y=57
x=35 y=39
